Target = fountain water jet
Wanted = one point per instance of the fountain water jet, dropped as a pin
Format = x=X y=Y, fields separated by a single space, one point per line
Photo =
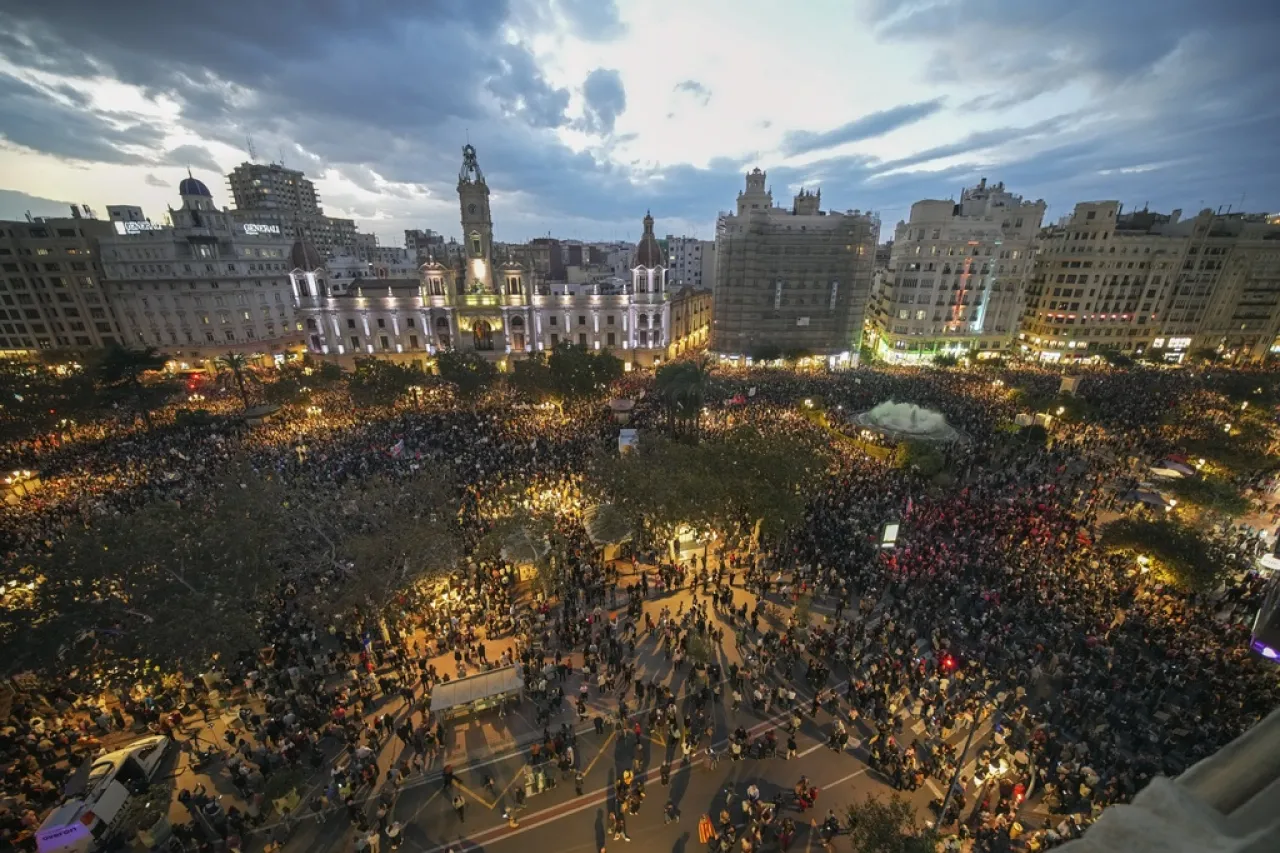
x=907 y=421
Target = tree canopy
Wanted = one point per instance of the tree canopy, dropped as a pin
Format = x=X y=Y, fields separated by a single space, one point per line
x=886 y=826
x=172 y=586
x=470 y=372
x=682 y=386
x=377 y=381
x=724 y=483
x=1179 y=554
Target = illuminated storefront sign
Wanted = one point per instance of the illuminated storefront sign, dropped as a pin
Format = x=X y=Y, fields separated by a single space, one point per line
x=254 y=229
x=135 y=227
x=1179 y=343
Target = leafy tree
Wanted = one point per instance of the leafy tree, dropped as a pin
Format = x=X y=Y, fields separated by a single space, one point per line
x=682 y=387
x=923 y=457
x=36 y=400
x=1181 y=555
x=394 y=533
x=121 y=371
x=1210 y=493
x=377 y=381
x=880 y=826
x=1117 y=359
x=802 y=611
x=1204 y=355
x=237 y=365
x=326 y=373
x=1035 y=435
x=172 y=586
x=794 y=354
x=470 y=372
x=766 y=352
x=578 y=372
x=945 y=360
x=531 y=378
x=725 y=483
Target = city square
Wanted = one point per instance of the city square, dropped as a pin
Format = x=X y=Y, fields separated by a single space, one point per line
x=572 y=426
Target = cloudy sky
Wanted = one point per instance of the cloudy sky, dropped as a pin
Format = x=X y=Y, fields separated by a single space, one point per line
x=585 y=113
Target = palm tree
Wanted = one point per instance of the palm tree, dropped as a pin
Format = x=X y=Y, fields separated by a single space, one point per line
x=237 y=364
x=122 y=369
x=682 y=387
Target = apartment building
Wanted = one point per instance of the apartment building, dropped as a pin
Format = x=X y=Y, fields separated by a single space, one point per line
x=51 y=293
x=956 y=276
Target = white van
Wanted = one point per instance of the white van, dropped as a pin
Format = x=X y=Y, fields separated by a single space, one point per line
x=113 y=778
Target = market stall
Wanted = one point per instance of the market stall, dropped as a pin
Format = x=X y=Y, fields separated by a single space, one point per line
x=477 y=693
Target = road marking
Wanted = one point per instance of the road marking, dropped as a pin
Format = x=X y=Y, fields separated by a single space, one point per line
x=812 y=749
x=473 y=795
x=604 y=746
x=420 y=808
x=933 y=786
x=553 y=813
x=520 y=772
x=847 y=778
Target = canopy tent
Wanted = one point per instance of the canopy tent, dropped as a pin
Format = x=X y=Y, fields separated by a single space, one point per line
x=523 y=547
x=1147 y=496
x=1167 y=471
x=471 y=693
x=606 y=525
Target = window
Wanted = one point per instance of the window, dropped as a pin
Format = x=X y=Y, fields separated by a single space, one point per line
x=551 y=320
x=609 y=320
x=382 y=323
x=355 y=344
x=555 y=339
x=413 y=341
x=382 y=339
x=609 y=338
x=582 y=320
x=351 y=323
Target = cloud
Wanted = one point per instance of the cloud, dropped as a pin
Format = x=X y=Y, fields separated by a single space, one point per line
x=866 y=127
x=40 y=119
x=152 y=181
x=605 y=100
x=192 y=157
x=695 y=89
x=593 y=20
x=16 y=205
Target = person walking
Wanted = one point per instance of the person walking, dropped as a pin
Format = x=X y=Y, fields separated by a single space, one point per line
x=460 y=806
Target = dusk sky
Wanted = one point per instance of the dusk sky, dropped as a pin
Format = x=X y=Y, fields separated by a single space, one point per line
x=585 y=113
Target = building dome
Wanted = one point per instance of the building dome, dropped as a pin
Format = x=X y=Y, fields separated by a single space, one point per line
x=305 y=256
x=648 y=253
x=193 y=186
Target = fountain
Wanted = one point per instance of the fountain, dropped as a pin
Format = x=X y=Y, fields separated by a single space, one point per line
x=901 y=421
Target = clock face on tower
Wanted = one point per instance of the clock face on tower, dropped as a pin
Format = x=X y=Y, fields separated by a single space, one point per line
x=471 y=208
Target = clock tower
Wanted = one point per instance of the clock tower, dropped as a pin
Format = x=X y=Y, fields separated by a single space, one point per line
x=477 y=225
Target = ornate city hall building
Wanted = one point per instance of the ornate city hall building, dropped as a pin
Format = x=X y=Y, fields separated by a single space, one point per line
x=476 y=301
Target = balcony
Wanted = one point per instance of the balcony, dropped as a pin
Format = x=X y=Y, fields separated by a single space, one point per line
x=1225 y=803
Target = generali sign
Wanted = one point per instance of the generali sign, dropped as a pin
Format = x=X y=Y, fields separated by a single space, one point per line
x=253 y=229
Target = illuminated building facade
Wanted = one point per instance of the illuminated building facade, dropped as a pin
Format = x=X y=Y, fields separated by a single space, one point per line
x=204 y=285
x=956 y=276
x=484 y=303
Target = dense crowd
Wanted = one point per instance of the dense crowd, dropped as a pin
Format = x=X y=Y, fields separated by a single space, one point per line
x=995 y=609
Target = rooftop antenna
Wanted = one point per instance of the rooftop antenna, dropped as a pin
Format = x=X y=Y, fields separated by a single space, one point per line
x=253 y=152
x=281 y=155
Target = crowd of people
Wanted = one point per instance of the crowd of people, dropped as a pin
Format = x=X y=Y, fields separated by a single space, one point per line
x=996 y=609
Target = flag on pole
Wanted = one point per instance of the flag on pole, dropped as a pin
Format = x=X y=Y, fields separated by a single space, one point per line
x=909 y=505
x=397 y=448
